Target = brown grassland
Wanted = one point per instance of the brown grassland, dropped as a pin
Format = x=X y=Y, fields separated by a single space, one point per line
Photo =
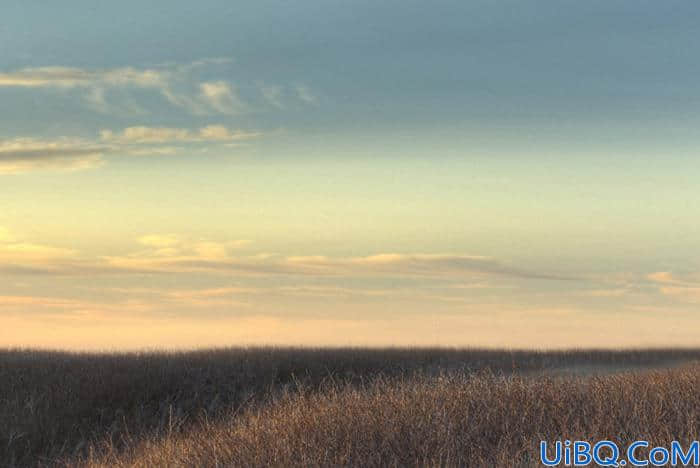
x=336 y=407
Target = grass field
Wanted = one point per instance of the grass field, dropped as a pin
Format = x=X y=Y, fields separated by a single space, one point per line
x=330 y=407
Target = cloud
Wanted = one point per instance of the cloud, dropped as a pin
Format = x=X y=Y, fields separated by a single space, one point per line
x=152 y=150
x=68 y=77
x=684 y=289
x=26 y=258
x=661 y=277
x=221 y=133
x=173 y=254
x=167 y=251
x=282 y=97
x=25 y=252
x=119 y=90
x=145 y=135
x=668 y=278
x=21 y=155
x=24 y=154
x=169 y=254
x=419 y=265
x=149 y=135
x=174 y=82
x=14 y=251
x=305 y=95
x=222 y=97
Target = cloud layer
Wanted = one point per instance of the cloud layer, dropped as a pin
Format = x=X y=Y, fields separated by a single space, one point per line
x=173 y=82
x=143 y=134
x=209 y=283
x=106 y=90
x=25 y=154
x=171 y=254
x=20 y=155
x=193 y=88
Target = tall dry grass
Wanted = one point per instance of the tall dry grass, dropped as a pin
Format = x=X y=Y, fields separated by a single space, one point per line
x=473 y=421
x=55 y=406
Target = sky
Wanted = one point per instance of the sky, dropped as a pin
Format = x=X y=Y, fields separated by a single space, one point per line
x=511 y=174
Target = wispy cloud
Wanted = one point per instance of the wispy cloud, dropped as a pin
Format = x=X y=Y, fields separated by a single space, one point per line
x=107 y=90
x=24 y=252
x=142 y=134
x=285 y=97
x=173 y=82
x=19 y=155
x=172 y=254
x=684 y=288
x=69 y=77
x=306 y=95
x=170 y=245
x=418 y=265
x=25 y=154
x=29 y=258
x=222 y=97
x=669 y=278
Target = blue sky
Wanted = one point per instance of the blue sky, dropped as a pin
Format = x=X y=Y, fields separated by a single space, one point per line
x=550 y=65
x=474 y=168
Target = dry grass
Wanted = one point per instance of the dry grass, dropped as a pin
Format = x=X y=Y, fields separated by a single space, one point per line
x=301 y=405
x=478 y=420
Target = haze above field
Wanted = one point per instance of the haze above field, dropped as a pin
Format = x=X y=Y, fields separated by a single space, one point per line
x=511 y=173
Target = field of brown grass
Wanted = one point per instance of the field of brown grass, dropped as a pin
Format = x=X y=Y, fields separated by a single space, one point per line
x=335 y=407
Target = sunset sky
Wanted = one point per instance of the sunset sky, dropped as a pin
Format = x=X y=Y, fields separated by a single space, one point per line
x=511 y=173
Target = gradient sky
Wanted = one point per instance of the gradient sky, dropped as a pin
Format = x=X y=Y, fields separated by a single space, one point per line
x=512 y=173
